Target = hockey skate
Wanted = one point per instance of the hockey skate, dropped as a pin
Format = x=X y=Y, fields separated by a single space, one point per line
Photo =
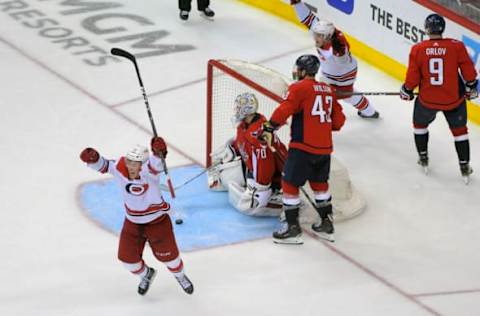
x=289 y=234
x=466 y=171
x=185 y=283
x=184 y=15
x=208 y=13
x=375 y=115
x=146 y=281
x=324 y=229
x=423 y=161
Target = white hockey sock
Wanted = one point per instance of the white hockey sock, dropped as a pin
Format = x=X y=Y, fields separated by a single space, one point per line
x=176 y=267
x=368 y=111
x=139 y=268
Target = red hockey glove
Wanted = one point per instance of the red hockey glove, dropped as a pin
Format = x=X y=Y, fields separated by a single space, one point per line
x=406 y=94
x=471 y=90
x=89 y=155
x=159 y=146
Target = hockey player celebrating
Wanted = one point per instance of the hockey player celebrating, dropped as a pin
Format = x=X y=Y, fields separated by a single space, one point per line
x=146 y=217
x=434 y=66
x=315 y=113
x=338 y=66
x=261 y=195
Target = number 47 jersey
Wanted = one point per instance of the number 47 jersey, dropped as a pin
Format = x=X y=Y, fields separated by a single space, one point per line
x=433 y=65
x=315 y=114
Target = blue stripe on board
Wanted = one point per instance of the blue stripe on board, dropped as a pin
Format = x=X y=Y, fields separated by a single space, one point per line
x=209 y=220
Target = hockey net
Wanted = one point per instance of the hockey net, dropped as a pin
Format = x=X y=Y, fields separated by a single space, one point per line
x=228 y=78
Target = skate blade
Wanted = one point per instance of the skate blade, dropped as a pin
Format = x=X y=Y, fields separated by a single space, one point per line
x=466 y=180
x=425 y=170
x=289 y=241
x=325 y=236
x=208 y=18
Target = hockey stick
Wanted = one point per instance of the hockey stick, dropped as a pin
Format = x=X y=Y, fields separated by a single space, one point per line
x=165 y=188
x=274 y=151
x=343 y=94
x=123 y=53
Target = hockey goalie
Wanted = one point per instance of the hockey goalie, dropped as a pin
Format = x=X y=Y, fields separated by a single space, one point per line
x=246 y=167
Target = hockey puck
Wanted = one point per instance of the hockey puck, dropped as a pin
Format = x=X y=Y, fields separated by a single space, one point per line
x=179 y=221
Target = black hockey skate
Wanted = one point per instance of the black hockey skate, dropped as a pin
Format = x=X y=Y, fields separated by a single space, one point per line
x=375 y=115
x=185 y=283
x=146 y=281
x=423 y=161
x=208 y=13
x=466 y=171
x=184 y=15
x=324 y=229
x=289 y=234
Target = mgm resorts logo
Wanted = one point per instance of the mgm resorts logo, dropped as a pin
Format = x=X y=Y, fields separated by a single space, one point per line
x=103 y=20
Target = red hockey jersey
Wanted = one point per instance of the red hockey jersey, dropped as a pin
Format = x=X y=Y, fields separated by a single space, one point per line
x=433 y=66
x=315 y=113
x=260 y=160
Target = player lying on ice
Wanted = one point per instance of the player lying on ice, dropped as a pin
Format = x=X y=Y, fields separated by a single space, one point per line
x=146 y=213
x=337 y=65
x=247 y=155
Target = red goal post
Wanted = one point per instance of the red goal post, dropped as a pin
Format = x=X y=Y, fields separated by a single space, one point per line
x=228 y=78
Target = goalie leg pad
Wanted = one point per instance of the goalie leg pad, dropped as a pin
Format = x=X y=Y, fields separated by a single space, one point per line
x=251 y=201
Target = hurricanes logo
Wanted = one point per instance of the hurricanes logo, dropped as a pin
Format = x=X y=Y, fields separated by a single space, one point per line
x=136 y=189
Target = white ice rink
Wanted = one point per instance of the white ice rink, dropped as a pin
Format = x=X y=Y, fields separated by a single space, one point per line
x=415 y=251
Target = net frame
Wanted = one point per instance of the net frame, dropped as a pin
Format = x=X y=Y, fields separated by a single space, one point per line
x=226 y=68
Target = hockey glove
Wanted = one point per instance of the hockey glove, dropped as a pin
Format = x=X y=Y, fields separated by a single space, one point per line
x=292 y=2
x=337 y=45
x=406 y=94
x=159 y=146
x=89 y=155
x=267 y=133
x=471 y=90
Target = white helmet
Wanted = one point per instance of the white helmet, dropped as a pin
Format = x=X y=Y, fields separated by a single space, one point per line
x=245 y=104
x=324 y=28
x=137 y=153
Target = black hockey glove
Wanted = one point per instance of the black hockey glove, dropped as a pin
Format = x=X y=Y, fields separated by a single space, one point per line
x=267 y=132
x=471 y=90
x=406 y=94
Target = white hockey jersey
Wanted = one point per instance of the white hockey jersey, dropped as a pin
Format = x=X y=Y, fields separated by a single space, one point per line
x=142 y=197
x=338 y=67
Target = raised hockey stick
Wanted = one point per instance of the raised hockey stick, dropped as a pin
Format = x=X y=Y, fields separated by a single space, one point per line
x=123 y=53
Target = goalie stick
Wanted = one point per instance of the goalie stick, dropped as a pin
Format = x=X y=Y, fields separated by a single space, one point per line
x=123 y=53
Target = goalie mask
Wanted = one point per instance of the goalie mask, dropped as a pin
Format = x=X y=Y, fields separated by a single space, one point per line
x=245 y=104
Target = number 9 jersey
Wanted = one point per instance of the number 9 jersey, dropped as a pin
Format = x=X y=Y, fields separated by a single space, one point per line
x=433 y=65
x=315 y=113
